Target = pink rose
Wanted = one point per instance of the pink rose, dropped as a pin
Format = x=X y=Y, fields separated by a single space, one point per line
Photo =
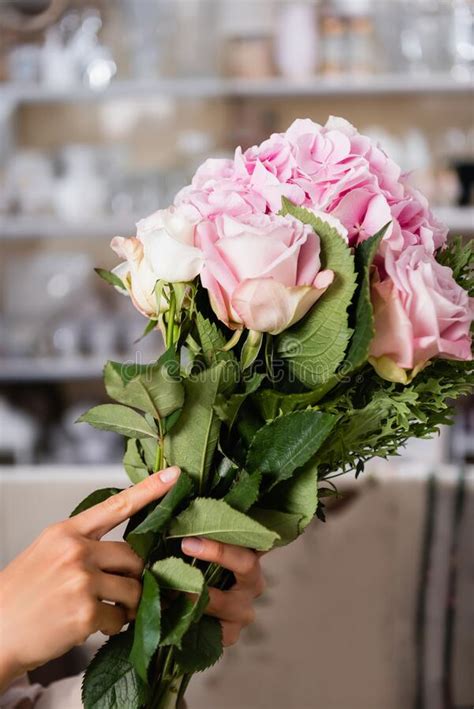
x=420 y=313
x=262 y=271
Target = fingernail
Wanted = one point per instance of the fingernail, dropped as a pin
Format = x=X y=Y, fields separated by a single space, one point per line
x=192 y=545
x=169 y=474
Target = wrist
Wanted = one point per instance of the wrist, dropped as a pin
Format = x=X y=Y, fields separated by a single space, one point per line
x=10 y=667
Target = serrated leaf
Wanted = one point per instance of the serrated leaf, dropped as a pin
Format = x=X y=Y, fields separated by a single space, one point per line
x=154 y=388
x=244 y=492
x=201 y=647
x=133 y=462
x=192 y=441
x=111 y=681
x=272 y=403
x=176 y=575
x=228 y=407
x=159 y=517
x=298 y=495
x=288 y=442
x=212 y=341
x=94 y=499
x=111 y=278
x=147 y=628
x=364 y=331
x=458 y=255
x=315 y=346
x=285 y=524
x=119 y=419
x=215 y=519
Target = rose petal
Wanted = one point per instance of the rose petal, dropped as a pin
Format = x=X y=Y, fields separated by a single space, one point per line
x=265 y=305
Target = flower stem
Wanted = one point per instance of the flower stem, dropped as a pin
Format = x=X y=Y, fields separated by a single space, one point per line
x=170 y=329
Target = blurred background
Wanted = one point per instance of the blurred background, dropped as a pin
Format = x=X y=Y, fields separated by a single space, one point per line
x=106 y=109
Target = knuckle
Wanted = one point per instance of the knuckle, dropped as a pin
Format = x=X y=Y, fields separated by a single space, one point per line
x=119 y=504
x=53 y=531
x=249 y=564
x=115 y=624
x=135 y=593
x=249 y=616
x=87 y=617
x=231 y=635
x=219 y=553
x=83 y=585
x=73 y=549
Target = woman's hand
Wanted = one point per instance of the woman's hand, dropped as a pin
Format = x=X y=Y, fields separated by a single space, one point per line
x=234 y=608
x=52 y=595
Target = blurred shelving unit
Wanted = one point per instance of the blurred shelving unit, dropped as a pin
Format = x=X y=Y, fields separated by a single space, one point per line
x=202 y=87
x=458 y=219
x=219 y=105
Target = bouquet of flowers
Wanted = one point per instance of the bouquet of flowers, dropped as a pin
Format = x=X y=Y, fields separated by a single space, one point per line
x=314 y=316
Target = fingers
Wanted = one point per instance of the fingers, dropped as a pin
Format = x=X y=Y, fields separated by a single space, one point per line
x=243 y=563
x=110 y=619
x=234 y=606
x=230 y=633
x=119 y=589
x=116 y=558
x=100 y=519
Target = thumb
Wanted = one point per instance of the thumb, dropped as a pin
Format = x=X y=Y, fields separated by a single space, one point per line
x=100 y=519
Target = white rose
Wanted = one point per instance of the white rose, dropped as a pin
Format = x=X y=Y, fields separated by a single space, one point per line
x=137 y=276
x=168 y=243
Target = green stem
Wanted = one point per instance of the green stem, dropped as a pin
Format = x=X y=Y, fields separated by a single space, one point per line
x=170 y=329
x=168 y=697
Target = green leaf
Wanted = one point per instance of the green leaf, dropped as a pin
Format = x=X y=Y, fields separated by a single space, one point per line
x=119 y=419
x=212 y=341
x=272 y=403
x=244 y=492
x=215 y=519
x=285 y=524
x=228 y=407
x=110 y=681
x=94 y=499
x=364 y=331
x=297 y=496
x=201 y=646
x=133 y=462
x=288 y=442
x=192 y=441
x=315 y=346
x=459 y=257
x=151 y=325
x=111 y=278
x=176 y=575
x=147 y=629
x=154 y=388
x=159 y=517
x=142 y=544
x=148 y=448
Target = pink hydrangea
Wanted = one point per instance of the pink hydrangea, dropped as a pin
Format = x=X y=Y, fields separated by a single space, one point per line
x=330 y=168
